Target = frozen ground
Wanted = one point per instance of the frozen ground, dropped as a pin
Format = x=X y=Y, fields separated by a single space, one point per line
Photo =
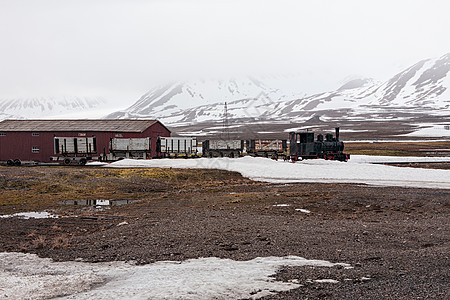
x=359 y=169
x=26 y=276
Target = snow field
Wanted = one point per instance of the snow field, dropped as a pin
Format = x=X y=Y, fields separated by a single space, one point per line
x=359 y=169
x=26 y=276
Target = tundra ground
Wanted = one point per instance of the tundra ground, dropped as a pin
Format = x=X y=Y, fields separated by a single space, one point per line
x=397 y=239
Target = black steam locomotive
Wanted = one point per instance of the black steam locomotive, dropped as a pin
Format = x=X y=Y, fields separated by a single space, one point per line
x=303 y=146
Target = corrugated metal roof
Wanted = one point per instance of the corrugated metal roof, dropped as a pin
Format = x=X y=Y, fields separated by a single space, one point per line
x=76 y=125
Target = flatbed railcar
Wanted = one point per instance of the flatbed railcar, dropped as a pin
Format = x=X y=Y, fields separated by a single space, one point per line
x=136 y=148
x=223 y=148
x=267 y=148
x=303 y=146
x=74 y=150
x=177 y=147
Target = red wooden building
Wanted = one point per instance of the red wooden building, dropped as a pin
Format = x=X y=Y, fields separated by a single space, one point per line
x=34 y=140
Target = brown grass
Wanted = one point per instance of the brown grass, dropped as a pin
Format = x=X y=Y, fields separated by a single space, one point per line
x=39 y=242
x=399 y=148
x=61 y=242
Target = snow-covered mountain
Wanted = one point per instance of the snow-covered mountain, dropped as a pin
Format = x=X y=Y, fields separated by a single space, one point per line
x=36 y=108
x=200 y=100
x=422 y=88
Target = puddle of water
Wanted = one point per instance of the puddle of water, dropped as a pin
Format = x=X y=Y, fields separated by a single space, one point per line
x=88 y=202
x=32 y=214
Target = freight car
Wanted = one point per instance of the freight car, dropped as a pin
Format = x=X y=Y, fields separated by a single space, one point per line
x=177 y=147
x=78 y=150
x=136 y=148
x=223 y=148
x=267 y=148
x=303 y=146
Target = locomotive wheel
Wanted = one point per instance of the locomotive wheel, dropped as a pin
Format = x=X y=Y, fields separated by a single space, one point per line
x=66 y=161
x=83 y=161
x=17 y=162
x=10 y=162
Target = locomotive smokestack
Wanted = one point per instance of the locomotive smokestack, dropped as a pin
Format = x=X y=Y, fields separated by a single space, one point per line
x=337 y=133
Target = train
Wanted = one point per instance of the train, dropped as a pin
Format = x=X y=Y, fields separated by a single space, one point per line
x=299 y=146
x=303 y=146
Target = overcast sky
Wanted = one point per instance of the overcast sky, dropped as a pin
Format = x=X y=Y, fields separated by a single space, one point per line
x=118 y=50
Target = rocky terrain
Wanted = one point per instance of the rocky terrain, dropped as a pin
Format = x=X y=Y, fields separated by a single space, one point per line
x=396 y=239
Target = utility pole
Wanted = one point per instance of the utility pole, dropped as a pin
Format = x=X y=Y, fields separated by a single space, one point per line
x=225 y=123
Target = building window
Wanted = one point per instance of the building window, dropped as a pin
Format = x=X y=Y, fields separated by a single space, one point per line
x=2 y=134
x=35 y=134
x=35 y=149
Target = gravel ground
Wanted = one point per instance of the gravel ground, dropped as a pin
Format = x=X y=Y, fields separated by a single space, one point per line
x=397 y=239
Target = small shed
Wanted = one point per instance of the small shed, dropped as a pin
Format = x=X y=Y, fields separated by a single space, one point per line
x=34 y=140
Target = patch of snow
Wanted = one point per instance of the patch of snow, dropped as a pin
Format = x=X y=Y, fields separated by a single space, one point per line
x=282 y=205
x=222 y=127
x=399 y=141
x=363 y=159
x=303 y=128
x=26 y=276
x=359 y=169
x=431 y=130
x=326 y=281
x=31 y=215
x=196 y=133
x=355 y=130
x=96 y=163
x=303 y=210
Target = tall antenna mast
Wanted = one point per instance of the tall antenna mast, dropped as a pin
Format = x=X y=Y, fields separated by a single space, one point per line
x=225 y=123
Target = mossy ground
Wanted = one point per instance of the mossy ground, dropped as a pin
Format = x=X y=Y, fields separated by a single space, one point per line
x=43 y=187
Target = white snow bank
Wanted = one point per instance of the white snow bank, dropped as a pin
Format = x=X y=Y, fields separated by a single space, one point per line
x=96 y=163
x=26 y=276
x=359 y=159
x=32 y=214
x=357 y=170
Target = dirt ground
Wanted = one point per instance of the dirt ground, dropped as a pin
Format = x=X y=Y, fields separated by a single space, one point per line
x=397 y=239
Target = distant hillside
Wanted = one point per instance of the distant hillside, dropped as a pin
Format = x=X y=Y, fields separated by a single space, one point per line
x=421 y=88
x=48 y=107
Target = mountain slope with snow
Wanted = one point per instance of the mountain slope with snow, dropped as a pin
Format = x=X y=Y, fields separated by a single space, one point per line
x=201 y=100
x=49 y=107
x=424 y=88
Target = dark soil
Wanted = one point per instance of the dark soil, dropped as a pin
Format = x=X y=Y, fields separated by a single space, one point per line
x=396 y=239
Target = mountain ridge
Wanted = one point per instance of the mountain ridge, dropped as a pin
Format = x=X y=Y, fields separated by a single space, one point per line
x=421 y=88
x=424 y=86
